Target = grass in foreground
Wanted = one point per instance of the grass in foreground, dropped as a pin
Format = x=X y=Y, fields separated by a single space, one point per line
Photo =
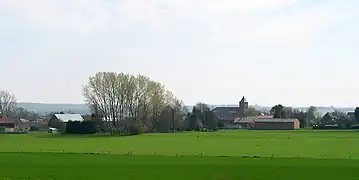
x=51 y=166
x=313 y=144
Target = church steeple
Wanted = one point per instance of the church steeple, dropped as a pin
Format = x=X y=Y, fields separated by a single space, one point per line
x=244 y=99
x=243 y=107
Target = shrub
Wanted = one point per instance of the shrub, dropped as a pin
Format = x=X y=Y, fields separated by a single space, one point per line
x=355 y=126
x=88 y=127
x=220 y=124
x=34 y=128
x=135 y=129
x=327 y=127
x=77 y=127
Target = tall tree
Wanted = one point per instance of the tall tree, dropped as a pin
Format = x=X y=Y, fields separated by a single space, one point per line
x=342 y=119
x=119 y=96
x=305 y=118
x=23 y=113
x=7 y=104
x=206 y=116
x=165 y=123
x=194 y=119
x=253 y=111
x=278 y=111
x=311 y=116
x=356 y=114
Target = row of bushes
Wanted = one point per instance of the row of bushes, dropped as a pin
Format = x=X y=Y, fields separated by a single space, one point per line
x=327 y=127
x=91 y=127
x=356 y=126
x=77 y=127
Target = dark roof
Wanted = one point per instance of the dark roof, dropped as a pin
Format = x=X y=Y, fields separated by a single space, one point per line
x=226 y=113
x=7 y=121
x=274 y=120
x=328 y=115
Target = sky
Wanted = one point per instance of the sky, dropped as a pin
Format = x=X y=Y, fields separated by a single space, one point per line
x=293 y=52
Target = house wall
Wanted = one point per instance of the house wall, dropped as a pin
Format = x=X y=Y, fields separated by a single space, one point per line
x=275 y=125
x=296 y=124
x=23 y=126
x=9 y=129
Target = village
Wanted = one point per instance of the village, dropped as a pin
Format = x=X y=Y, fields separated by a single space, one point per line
x=241 y=117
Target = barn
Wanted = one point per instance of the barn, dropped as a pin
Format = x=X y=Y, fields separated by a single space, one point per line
x=276 y=124
x=59 y=121
x=64 y=118
x=8 y=124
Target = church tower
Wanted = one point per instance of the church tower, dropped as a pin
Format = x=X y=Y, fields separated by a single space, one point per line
x=243 y=107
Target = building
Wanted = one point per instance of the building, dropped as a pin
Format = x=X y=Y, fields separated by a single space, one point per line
x=237 y=118
x=243 y=107
x=248 y=122
x=8 y=124
x=328 y=119
x=64 y=118
x=276 y=124
x=59 y=121
x=227 y=115
x=24 y=125
x=40 y=124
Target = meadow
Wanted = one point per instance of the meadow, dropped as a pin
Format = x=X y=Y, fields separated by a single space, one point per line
x=249 y=155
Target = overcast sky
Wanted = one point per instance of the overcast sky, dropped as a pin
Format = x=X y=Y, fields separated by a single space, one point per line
x=294 y=52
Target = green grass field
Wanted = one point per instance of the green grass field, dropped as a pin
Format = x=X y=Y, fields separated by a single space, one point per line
x=296 y=155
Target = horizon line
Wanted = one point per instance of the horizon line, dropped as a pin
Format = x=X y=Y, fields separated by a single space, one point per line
x=229 y=105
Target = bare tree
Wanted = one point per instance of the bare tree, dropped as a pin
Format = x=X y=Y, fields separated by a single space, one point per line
x=120 y=98
x=7 y=103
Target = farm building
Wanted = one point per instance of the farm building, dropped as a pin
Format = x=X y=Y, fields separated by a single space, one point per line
x=59 y=121
x=64 y=118
x=227 y=115
x=248 y=122
x=8 y=124
x=328 y=119
x=24 y=125
x=276 y=124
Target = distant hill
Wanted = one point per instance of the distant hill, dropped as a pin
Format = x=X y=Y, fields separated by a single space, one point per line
x=43 y=108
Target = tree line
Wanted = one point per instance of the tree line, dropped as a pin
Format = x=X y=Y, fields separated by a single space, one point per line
x=306 y=118
x=131 y=104
x=311 y=116
x=9 y=108
x=124 y=103
x=125 y=100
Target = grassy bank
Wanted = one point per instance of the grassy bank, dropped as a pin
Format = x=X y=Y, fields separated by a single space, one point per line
x=280 y=155
x=312 y=144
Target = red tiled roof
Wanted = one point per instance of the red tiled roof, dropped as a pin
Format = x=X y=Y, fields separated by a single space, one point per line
x=7 y=121
x=251 y=119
